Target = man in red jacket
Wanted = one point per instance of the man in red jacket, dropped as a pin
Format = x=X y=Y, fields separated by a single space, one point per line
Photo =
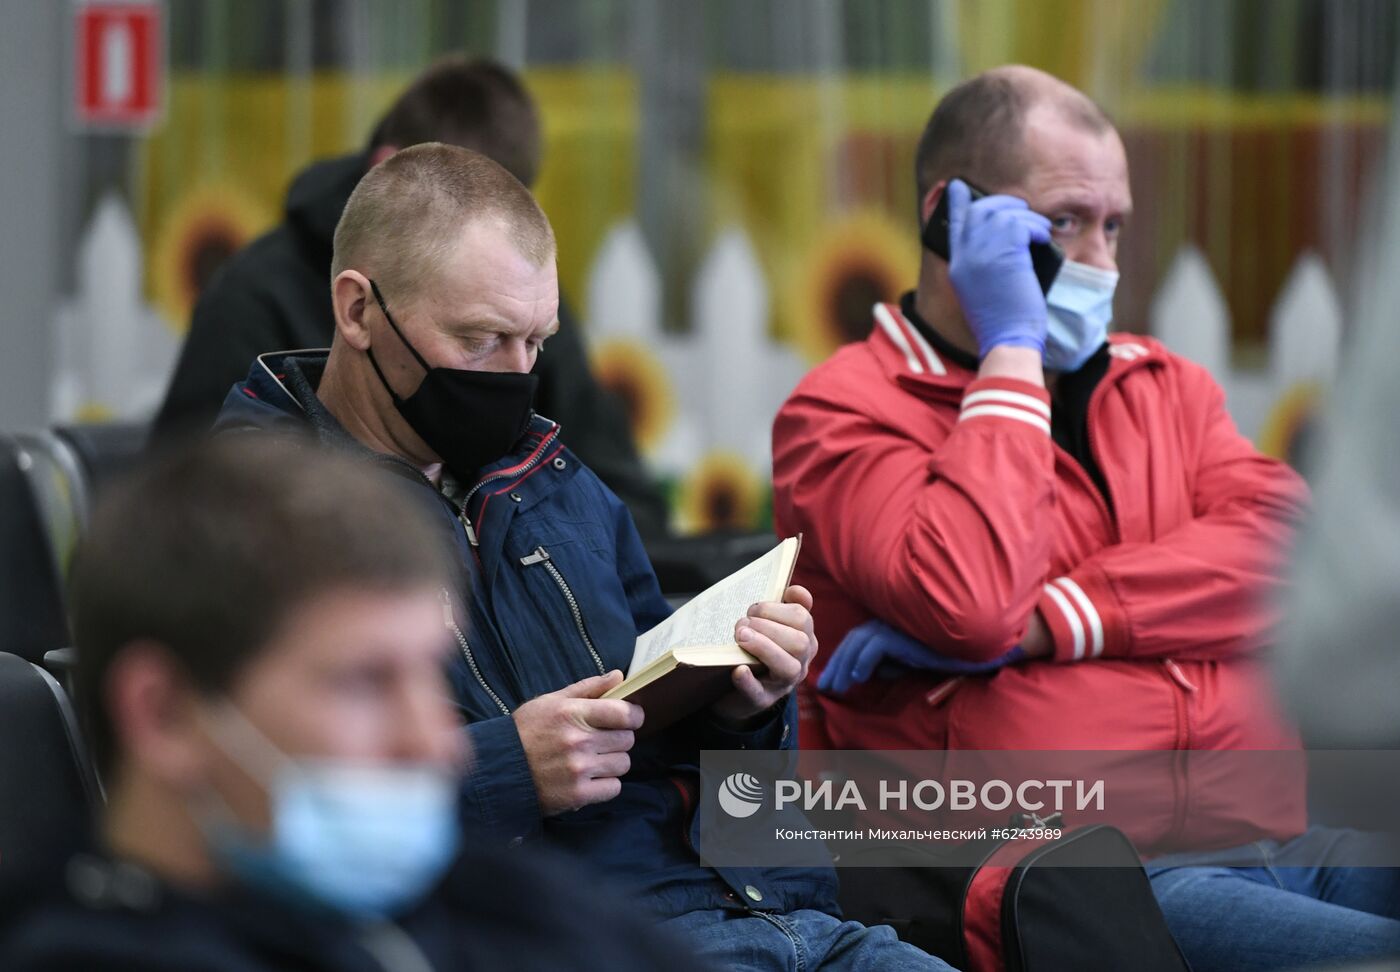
x=1053 y=537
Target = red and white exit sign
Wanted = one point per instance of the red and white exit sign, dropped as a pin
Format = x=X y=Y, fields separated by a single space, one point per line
x=119 y=64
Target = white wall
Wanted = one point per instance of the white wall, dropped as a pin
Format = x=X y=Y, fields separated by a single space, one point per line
x=33 y=117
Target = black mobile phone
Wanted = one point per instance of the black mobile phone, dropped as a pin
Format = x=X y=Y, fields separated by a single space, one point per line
x=1046 y=258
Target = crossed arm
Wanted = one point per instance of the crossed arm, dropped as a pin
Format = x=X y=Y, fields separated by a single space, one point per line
x=956 y=552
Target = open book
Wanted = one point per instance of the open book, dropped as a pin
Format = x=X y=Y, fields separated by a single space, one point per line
x=685 y=662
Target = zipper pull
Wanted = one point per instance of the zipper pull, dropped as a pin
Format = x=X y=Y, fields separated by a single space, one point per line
x=538 y=557
x=471 y=531
x=447 y=618
x=1178 y=676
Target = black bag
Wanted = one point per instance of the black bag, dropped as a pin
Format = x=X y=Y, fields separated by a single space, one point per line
x=1081 y=902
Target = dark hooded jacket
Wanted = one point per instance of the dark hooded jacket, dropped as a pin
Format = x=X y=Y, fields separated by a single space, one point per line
x=274 y=295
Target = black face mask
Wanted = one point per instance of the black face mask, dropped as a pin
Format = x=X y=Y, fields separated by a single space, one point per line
x=469 y=418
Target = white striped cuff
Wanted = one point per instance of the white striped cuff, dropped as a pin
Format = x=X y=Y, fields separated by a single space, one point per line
x=1085 y=625
x=1006 y=404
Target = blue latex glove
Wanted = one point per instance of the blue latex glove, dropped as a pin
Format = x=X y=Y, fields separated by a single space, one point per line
x=991 y=268
x=866 y=646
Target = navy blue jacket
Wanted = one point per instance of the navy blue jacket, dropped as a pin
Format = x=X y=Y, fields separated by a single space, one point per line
x=495 y=910
x=534 y=625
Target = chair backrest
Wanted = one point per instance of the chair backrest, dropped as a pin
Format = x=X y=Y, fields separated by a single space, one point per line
x=59 y=485
x=105 y=450
x=685 y=566
x=48 y=789
x=32 y=618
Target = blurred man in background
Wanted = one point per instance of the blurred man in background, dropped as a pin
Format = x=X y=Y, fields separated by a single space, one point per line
x=1339 y=663
x=1050 y=537
x=261 y=665
x=275 y=294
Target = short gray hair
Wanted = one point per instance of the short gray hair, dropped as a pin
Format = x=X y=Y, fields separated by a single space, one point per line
x=977 y=130
x=408 y=213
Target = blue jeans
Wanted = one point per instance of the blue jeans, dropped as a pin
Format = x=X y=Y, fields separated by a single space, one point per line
x=752 y=941
x=1287 y=908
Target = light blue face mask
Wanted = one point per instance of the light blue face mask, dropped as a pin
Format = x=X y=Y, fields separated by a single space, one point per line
x=362 y=839
x=1080 y=304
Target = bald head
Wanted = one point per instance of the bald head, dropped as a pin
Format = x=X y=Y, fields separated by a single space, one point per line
x=407 y=215
x=978 y=129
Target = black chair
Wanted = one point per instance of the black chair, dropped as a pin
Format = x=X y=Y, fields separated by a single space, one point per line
x=59 y=485
x=685 y=566
x=105 y=450
x=49 y=792
x=32 y=619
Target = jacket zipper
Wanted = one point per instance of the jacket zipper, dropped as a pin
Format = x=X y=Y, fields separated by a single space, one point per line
x=541 y=556
x=1173 y=670
x=451 y=623
x=503 y=474
x=1181 y=789
x=449 y=620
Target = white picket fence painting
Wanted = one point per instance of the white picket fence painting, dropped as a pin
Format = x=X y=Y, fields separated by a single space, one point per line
x=114 y=351
x=1305 y=327
x=726 y=375
x=1189 y=315
x=712 y=386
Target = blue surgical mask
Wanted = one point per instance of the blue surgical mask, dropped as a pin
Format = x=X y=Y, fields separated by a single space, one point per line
x=362 y=839
x=1080 y=304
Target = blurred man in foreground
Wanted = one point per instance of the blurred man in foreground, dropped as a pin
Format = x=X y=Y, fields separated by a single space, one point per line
x=1030 y=534
x=261 y=664
x=273 y=295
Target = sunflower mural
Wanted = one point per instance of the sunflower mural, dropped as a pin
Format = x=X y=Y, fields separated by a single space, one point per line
x=722 y=493
x=633 y=372
x=854 y=264
x=1288 y=430
x=197 y=234
x=1069 y=38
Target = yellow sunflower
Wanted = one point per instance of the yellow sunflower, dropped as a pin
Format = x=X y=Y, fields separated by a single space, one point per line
x=721 y=493
x=94 y=412
x=193 y=238
x=854 y=263
x=1291 y=422
x=633 y=372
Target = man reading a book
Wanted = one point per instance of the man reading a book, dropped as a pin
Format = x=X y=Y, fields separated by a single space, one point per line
x=444 y=287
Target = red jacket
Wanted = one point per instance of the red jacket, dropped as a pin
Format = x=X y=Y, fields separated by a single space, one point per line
x=938 y=503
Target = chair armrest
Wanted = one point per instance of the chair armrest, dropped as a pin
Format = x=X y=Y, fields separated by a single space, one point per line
x=61 y=663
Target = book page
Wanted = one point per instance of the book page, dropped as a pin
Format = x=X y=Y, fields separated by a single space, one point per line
x=709 y=618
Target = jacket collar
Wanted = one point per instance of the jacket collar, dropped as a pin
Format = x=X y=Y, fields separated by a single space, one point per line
x=287 y=381
x=230 y=916
x=900 y=346
x=281 y=389
x=911 y=361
